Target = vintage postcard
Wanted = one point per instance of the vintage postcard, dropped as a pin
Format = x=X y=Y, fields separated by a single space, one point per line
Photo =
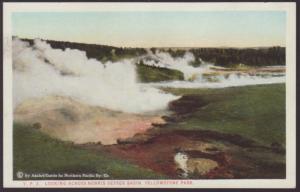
x=149 y=95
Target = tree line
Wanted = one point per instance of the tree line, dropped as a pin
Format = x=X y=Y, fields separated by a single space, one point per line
x=249 y=56
x=226 y=57
x=100 y=52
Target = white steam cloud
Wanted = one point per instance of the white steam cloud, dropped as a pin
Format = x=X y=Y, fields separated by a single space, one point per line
x=165 y=60
x=40 y=71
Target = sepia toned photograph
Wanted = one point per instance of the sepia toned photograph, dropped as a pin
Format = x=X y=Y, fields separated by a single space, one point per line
x=149 y=94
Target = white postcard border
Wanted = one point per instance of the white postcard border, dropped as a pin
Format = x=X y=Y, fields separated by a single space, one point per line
x=289 y=8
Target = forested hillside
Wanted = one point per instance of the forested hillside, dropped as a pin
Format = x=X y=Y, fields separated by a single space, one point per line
x=101 y=52
x=227 y=57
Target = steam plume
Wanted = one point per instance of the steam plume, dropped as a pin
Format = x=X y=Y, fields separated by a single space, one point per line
x=40 y=71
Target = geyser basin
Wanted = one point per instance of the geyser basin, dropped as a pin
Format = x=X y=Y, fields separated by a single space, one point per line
x=207 y=75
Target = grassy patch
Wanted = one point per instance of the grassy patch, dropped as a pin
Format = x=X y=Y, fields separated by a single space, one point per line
x=154 y=74
x=35 y=152
x=256 y=112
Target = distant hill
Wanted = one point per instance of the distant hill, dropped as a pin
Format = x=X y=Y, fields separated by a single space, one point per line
x=101 y=52
x=248 y=56
x=227 y=57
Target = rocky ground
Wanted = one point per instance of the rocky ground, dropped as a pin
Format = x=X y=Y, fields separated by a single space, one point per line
x=197 y=154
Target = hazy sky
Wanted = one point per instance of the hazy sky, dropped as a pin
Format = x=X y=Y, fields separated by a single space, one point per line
x=156 y=29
